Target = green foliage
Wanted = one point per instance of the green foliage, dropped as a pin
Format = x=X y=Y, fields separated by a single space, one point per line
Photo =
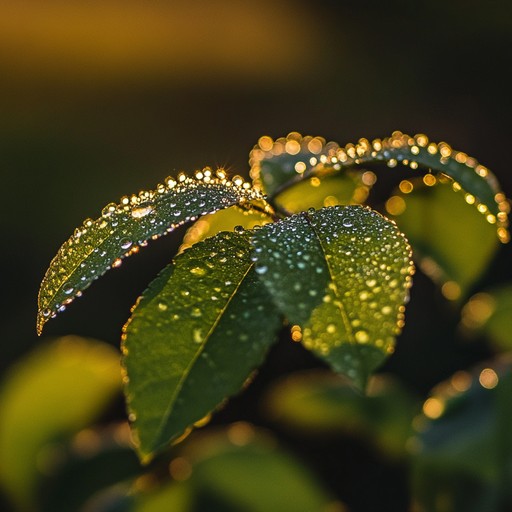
x=59 y=389
x=306 y=254
x=198 y=331
x=348 y=272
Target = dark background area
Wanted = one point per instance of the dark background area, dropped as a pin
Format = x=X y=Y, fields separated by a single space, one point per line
x=101 y=99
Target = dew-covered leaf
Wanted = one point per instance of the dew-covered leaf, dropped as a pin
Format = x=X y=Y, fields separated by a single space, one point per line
x=100 y=244
x=224 y=220
x=52 y=393
x=463 y=447
x=452 y=242
x=273 y=163
x=319 y=402
x=194 y=337
x=341 y=275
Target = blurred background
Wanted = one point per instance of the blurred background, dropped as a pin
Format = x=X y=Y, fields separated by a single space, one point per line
x=99 y=99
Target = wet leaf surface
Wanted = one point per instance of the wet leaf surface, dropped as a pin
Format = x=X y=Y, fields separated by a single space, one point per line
x=341 y=275
x=452 y=242
x=101 y=244
x=195 y=336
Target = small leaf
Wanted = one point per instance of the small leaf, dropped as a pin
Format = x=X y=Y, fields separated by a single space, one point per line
x=342 y=275
x=52 y=393
x=274 y=164
x=223 y=220
x=452 y=242
x=340 y=189
x=199 y=330
x=101 y=244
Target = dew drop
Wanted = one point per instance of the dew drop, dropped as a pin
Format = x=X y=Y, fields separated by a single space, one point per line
x=361 y=337
x=162 y=306
x=198 y=271
x=347 y=222
x=261 y=270
x=125 y=243
x=197 y=335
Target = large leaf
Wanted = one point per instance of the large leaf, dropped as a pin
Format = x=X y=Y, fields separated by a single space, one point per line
x=451 y=240
x=342 y=275
x=53 y=392
x=290 y=159
x=101 y=244
x=199 y=330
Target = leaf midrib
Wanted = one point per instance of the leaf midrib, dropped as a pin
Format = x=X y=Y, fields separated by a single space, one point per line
x=341 y=307
x=187 y=371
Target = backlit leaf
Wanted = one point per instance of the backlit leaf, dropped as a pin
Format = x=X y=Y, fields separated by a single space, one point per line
x=101 y=244
x=223 y=220
x=52 y=393
x=341 y=275
x=452 y=242
x=340 y=189
x=195 y=336
x=290 y=159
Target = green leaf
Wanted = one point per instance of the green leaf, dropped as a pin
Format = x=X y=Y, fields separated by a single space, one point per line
x=223 y=220
x=58 y=389
x=199 y=330
x=277 y=164
x=463 y=448
x=319 y=402
x=240 y=469
x=489 y=312
x=340 y=189
x=101 y=244
x=452 y=242
x=342 y=275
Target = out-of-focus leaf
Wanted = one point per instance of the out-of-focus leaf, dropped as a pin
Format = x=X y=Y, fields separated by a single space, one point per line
x=490 y=312
x=223 y=220
x=317 y=402
x=91 y=462
x=451 y=240
x=199 y=330
x=341 y=275
x=56 y=390
x=273 y=163
x=340 y=189
x=462 y=455
x=98 y=245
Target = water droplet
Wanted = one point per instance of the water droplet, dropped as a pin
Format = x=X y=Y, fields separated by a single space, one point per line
x=347 y=222
x=68 y=289
x=162 y=306
x=125 y=243
x=198 y=271
x=197 y=335
x=362 y=337
x=196 y=313
x=261 y=270
x=141 y=211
